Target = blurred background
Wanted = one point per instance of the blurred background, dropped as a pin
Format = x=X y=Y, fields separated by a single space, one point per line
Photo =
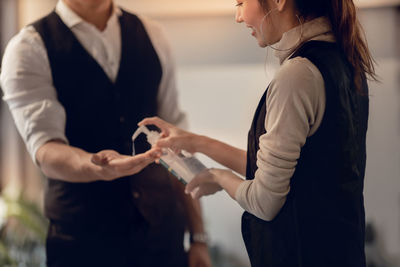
x=222 y=73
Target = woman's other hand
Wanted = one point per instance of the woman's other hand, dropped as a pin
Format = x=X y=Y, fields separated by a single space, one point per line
x=172 y=136
x=204 y=184
x=213 y=180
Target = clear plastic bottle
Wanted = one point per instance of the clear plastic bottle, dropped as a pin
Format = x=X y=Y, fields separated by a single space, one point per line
x=184 y=165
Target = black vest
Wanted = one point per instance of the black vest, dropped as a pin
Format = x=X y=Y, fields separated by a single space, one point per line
x=101 y=115
x=322 y=221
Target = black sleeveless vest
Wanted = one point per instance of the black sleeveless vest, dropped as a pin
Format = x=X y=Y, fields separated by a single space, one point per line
x=101 y=115
x=322 y=221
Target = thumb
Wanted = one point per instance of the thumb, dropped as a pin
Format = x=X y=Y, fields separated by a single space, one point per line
x=164 y=142
x=197 y=193
x=99 y=159
x=192 y=185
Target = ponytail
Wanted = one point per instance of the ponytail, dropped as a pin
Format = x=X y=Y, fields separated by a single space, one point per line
x=347 y=30
x=350 y=36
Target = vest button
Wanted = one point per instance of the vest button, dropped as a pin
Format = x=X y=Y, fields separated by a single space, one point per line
x=122 y=119
x=136 y=195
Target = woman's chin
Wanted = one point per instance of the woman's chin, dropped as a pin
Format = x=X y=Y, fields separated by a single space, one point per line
x=261 y=43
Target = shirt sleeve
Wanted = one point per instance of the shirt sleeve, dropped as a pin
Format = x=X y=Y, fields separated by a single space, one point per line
x=295 y=107
x=168 y=104
x=28 y=90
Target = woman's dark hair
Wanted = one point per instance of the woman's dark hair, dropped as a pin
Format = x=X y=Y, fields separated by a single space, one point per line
x=347 y=30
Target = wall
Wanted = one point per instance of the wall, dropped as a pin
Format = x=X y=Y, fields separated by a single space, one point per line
x=382 y=184
x=31 y=10
x=8 y=21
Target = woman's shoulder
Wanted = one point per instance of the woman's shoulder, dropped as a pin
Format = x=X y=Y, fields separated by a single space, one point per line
x=296 y=73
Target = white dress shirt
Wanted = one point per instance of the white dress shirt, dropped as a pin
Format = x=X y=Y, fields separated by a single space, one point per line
x=27 y=83
x=295 y=107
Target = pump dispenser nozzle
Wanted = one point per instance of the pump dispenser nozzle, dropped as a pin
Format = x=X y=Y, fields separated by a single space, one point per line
x=152 y=136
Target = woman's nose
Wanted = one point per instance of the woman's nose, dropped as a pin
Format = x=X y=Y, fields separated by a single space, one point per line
x=238 y=17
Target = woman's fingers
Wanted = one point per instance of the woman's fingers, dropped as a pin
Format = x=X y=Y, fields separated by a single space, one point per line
x=192 y=185
x=171 y=136
x=177 y=144
x=200 y=179
x=196 y=193
x=199 y=192
x=203 y=184
x=165 y=142
x=163 y=125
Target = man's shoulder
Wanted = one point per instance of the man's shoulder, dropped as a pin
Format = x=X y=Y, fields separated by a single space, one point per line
x=27 y=38
x=28 y=34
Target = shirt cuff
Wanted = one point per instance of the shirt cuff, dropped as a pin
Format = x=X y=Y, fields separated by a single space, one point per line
x=39 y=139
x=241 y=193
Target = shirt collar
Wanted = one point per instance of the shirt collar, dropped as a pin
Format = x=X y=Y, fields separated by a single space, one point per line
x=71 y=19
x=316 y=29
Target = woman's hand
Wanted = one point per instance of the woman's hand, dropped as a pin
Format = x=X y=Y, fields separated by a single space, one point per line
x=203 y=184
x=213 y=180
x=114 y=165
x=172 y=136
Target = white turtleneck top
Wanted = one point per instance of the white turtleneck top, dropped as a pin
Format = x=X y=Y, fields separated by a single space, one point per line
x=295 y=107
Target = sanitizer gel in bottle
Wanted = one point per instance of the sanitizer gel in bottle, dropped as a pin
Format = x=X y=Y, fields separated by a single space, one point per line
x=183 y=165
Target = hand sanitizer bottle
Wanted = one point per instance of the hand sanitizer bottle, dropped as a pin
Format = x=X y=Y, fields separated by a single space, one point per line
x=184 y=165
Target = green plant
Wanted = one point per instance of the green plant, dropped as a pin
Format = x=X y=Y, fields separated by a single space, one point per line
x=22 y=233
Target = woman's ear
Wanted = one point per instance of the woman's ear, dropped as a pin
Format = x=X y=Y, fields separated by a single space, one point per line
x=280 y=4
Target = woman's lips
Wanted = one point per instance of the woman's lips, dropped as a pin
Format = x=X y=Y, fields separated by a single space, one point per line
x=253 y=31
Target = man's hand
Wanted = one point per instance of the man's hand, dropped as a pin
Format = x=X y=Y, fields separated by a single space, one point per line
x=114 y=165
x=198 y=255
x=67 y=163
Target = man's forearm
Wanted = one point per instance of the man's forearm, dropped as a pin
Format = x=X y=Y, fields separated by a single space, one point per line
x=63 y=162
x=195 y=219
x=192 y=209
x=195 y=216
